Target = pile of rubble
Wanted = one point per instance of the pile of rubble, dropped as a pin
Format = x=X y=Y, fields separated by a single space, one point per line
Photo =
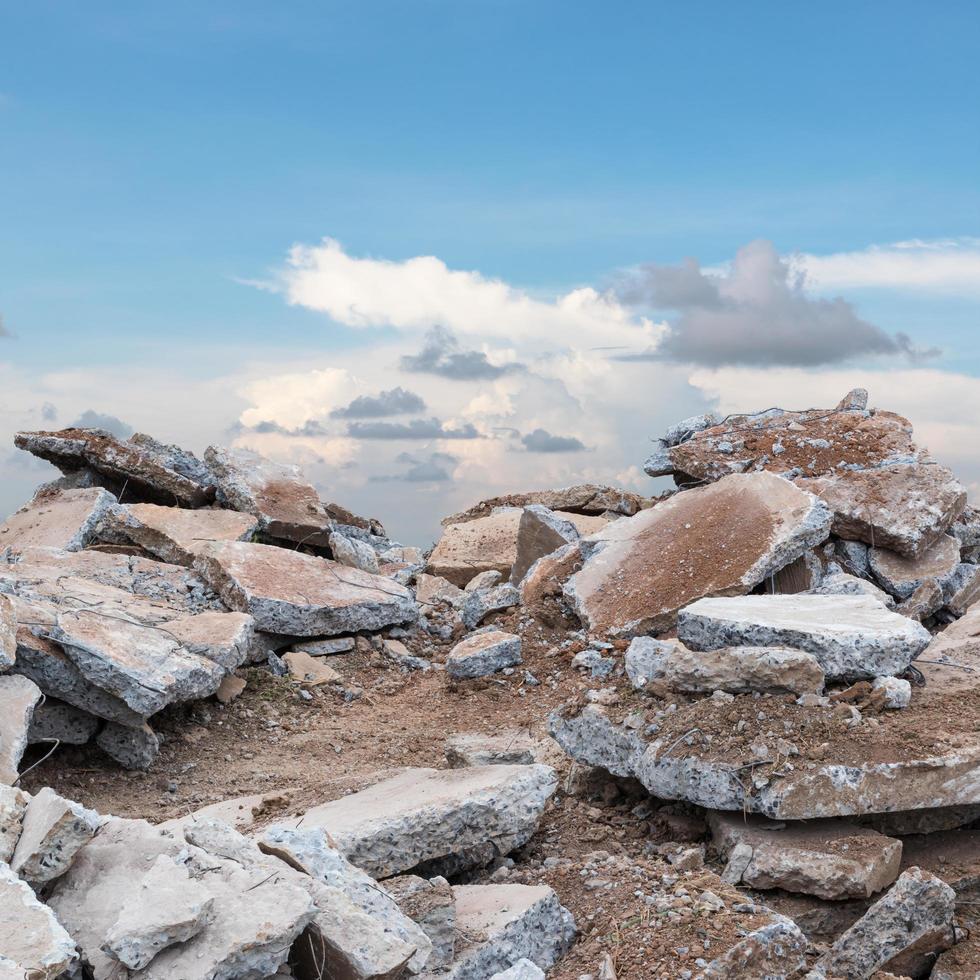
x=777 y=663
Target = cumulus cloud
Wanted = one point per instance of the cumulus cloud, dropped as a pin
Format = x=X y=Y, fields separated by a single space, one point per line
x=757 y=312
x=442 y=355
x=415 y=429
x=542 y=441
x=310 y=428
x=397 y=401
x=419 y=292
x=949 y=266
x=49 y=412
x=90 y=419
x=428 y=469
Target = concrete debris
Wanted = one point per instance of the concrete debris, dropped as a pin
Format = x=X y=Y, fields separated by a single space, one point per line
x=539 y=533
x=8 y=633
x=326 y=648
x=54 y=830
x=133 y=747
x=898 y=693
x=65 y=519
x=901 y=576
x=33 y=940
x=56 y=721
x=511 y=748
x=923 y=603
x=176 y=535
x=586 y=498
x=523 y=969
x=723 y=539
x=483 y=653
x=309 y=671
x=354 y=553
x=841 y=583
x=302 y=595
x=917 y=912
x=482 y=544
x=485 y=580
x=480 y=603
x=430 y=903
x=144 y=468
x=827 y=858
x=850 y=636
x=731 y=669
x=18 y=698
x=423 y=815
x=13 y=806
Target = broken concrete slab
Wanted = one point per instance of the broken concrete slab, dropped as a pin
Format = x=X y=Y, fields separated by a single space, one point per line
x=826 y=858
x=478 y=604
x=32 y=938
x=540 y=531
x=175 y=534
x=146 y=473
x=309 y=671
x=506 y=748
x=430 y=903
x=18 y=698
x=962 y=589
x=918 y=908
x=169 y=907
x=8 y=633
x=422 y=815
x=901 y=575
x=326 y=648
x=133 y=747
x=840 y=583
x=481 y=654
x=732 y=669
x=302 y=595
x=240 y=813
x=723 y=539
x=55 y=720
x=588 y=498
x=65 y=519
x=353 y=553
x=498 y=925
x=774 y=949
x=309 y=850
x=850 y=636
x=923 y=603
x=482 y=544
x=287 y=506
x=905 y=508
x=13 y=806
x=485 y=580
x=53 y=831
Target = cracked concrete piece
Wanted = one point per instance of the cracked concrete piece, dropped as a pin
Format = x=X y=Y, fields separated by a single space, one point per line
x=175 y=534
x=18 y=698
x=354 y=553
x=851 y=636
x=133 y=748
x=53 y=831
x=430 y=903
x=733 y=669
x=478 y=604
x=308 y=850
x=523 y=969
x=169 y=907
x=901 y=575
x=480 y=545
x=906 y=507
x=540 y=531
x=13 y=806
x=287 y=506
x=8 y=633
x=506 y=748
x=31 y=937
x=485 y=580
x=309 y=671
x=840 y=583
x=586 y=499
x=302 y=595
x=919 y=906
x=499 y=925
x=65 y=519
x=325 y=648
x=828 y=858
x=775 y=949
x=145 y=471
x=962 y=589
x=722 y=539
x=483 y=653
x=923 y=603
x=424 y=814
x=56 y=720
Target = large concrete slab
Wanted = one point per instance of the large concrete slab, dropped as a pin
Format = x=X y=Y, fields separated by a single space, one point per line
x=175 y=534
x=422 y=815
x=850 y=636
x=723 y=539
x=901 y=575
x=586 y=498
x=66 y=519
x=144 y=471
x=302 y=595
x=18 y=698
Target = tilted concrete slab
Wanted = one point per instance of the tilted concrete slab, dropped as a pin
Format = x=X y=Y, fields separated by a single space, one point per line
x=66 y=519
x=18 y=698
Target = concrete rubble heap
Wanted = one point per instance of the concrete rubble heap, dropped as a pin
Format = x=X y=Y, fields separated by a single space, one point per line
x=775 y=663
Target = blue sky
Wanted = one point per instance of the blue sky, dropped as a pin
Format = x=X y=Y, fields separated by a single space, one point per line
x=158 y=158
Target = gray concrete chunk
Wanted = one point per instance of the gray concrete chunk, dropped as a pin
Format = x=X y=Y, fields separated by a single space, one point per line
x=13 y=806
x=56 y=720
x=851 y=636
x=18 y=698
x=901 y=575
x=483 y=653
x=353 y=553
x=430 y=903
x=540 y=531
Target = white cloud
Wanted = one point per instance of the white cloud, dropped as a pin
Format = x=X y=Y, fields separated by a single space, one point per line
x=422 y=292
x=943 y=266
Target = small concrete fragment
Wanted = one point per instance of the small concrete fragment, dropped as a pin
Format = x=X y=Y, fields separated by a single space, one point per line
x=522 y=970
x=422 y=815
x=539 y=532
x=8 y=633
x=483 y=653
x=906 y=507
x=353 y=553
x=18 y=698
x=485 y=580
x=723 y=539
x=13 y=806
x=133 y=747
x=898 y=693
x=499 y=925
x=175 y=534
x=302 y=595
x=827 y=858
x=479 y=604
x=309 y=671
x=736 y=670
x=775 y=949
x=31 y=937
x=326 y=648
x=851 y=636
x=54 y=830
x=901 y=575
x=66 y=519
x=430 y=903
x=840 y=583
x=504 y=749
x=962 y=589
x=169 y=907
x=923 y=603
x=55 y=720
x=918 y=908
x=287 y=506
